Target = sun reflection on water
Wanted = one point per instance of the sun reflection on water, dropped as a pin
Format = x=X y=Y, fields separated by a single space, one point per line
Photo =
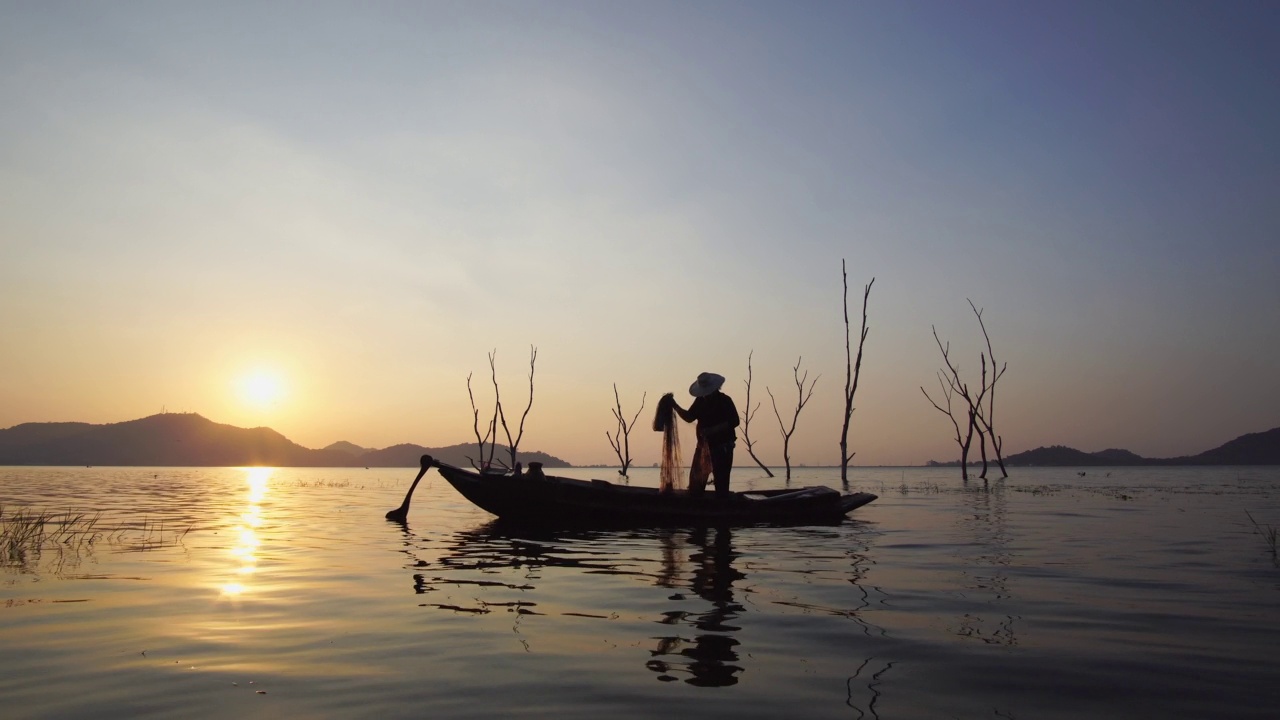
x=247 y=542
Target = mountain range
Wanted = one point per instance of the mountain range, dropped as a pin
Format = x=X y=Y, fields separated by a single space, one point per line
x=1252 y=449
x=188 y=439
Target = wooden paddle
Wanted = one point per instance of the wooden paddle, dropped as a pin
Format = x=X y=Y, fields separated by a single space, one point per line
x=401 y=513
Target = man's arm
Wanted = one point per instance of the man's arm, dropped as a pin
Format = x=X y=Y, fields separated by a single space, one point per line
x=685 y=415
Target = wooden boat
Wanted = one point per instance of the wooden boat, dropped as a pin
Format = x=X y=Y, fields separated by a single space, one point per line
x=536 y=498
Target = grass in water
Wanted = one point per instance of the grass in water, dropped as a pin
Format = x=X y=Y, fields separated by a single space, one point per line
x=27 y=536
x=1267 y=532
x=325 y=483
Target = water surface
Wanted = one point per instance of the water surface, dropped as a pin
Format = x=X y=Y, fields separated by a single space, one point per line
x=225 y=592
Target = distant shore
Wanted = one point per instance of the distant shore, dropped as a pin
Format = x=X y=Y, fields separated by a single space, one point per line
x=190 y=440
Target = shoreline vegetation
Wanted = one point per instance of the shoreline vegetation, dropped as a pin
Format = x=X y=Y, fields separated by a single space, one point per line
x=190 y=440
x=29 y=537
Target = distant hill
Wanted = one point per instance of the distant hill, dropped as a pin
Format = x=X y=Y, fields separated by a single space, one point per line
x=1058 y=455
x=187 y=439
x=1253 y=449
x=1117 y=457
x=343 y=446
x=32 y=433
x=408 y=456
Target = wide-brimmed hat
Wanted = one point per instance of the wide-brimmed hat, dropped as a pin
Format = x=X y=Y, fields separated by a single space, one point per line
x=706 y=384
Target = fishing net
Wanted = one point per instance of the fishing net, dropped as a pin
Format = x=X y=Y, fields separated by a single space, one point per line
x=700 y=468
x=664 y=421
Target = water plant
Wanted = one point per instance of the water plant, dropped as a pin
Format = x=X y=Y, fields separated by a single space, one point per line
x=326 y=483
x=27 y=535
x=1267 y=532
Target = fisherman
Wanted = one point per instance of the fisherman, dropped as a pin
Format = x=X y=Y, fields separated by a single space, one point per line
x=717 y=417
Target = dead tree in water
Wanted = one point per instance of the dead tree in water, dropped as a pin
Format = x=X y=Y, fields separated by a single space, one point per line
x=803 y=397
x=987 y=416
x=499 y=416
x=480 y=462
x=852 y=370
x=953 y=385
x=622 y=443
x=746 y=421
x=514 y=444
x=963 y=439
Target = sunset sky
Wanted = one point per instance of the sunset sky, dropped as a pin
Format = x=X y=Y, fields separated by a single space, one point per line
x=320 y=217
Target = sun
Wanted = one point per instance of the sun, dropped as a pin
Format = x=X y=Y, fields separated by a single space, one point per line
x=261 y=389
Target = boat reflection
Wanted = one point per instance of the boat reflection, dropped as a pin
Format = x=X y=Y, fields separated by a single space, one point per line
x=710 y=657
x=499 y=567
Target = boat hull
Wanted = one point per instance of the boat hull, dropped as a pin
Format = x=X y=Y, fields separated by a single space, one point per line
x=550 y=500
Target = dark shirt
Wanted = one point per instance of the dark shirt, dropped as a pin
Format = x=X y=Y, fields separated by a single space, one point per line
x=714 y=409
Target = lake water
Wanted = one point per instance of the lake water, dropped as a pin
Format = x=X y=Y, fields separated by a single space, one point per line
x=260 y=593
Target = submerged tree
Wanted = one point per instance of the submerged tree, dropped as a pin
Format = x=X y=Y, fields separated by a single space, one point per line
x=622 y=442
x=747 y=414
x=979 y=409
x=853 y=368
x=964 y=438
x=987 y=416
x=483 y=462
x=803 y=396
x=955 y=386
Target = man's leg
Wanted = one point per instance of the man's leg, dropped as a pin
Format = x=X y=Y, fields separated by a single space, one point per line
x=721 y=466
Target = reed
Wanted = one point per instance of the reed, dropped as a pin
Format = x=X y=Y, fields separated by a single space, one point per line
x=1267 y=532
x=27 y=535
x=150 y=535
x=924 y=488
x=324 y=483
x=19 y=533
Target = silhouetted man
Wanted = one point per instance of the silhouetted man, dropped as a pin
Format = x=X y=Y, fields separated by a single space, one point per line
x=717 y=417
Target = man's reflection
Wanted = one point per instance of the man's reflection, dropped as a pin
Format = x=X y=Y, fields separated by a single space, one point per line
x=709 y=658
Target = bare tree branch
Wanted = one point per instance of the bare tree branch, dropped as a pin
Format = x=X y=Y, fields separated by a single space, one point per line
x=962 y=439
x=973 y=411
x=479 y=463
x=987 y=417
x=499 y=417
x=977 y=413
x=852 y=371
x=747 y=414
x=514 y=444
x=956 y=386
x=802 y=398
x=622 y=443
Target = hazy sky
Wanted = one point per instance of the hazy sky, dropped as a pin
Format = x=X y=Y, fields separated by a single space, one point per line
x=361 y=200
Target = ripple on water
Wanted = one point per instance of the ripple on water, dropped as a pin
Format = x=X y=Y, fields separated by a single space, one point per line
x=1049 y=596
